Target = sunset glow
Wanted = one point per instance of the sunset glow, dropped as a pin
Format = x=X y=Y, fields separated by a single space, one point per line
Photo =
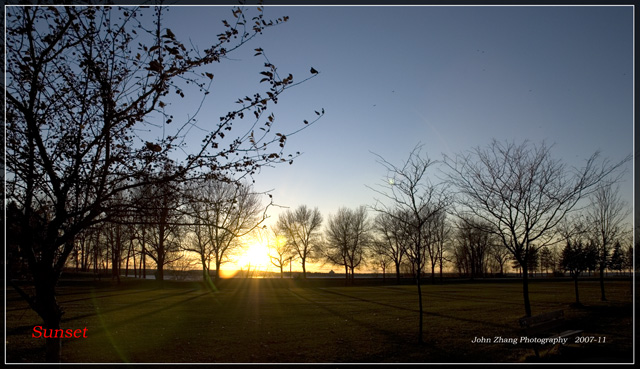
x=255 y=256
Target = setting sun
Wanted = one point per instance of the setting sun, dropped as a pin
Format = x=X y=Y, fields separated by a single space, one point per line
x=256 y=256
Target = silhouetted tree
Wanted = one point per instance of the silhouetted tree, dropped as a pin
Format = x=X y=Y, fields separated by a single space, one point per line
x=378 y=256
x=222 y=212
x=414 y=202
x=434 y=238
x=473 y=246
x=617 y=258
x=546 y=260
x=301 y=228
x=606 y=216
x=499 y=255
x=391 y=239
x=347 y=235
x=522 y=193
x=280 y=251
x=160 y=206
x=81 y=83
x=575 y=261
x=628 y=259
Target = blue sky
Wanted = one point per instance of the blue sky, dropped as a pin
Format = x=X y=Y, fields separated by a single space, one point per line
x=448 y=77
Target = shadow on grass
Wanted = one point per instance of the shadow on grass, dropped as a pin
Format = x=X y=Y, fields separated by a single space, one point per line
x=389 y=334
x=466 y=320
x=145 y=313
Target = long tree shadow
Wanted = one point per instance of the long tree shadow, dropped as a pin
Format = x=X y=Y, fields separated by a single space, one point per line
x=463 y=319
x=388 y=333
x=24 y=329
x=124 y=306
x=449 y=295
x=148 y=313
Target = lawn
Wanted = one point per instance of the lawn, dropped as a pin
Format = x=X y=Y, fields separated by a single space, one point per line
x=263 y=321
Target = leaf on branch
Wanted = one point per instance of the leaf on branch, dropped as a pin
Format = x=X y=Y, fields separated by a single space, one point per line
x=153 y=147
x=313 y=71
x=258 y=51
x=210 y=75
x=155 y=66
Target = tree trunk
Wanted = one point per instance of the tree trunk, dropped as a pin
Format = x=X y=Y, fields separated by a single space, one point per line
x=126 y=264
x=217 y=277
x=433 y=272
x=346 y=272
x=397 y=272
x=384 y=273
x=304 y=269
x=420 y=340
x=47 y=307
x=602 y=295
x=575 y=281
x=525 y=289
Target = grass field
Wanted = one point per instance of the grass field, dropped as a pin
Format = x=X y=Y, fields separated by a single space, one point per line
x=264 y=321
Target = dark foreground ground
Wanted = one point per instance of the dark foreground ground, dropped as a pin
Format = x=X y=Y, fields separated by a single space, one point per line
x=274 y=321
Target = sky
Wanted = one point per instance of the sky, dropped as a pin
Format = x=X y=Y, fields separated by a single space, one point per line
x=448 y=77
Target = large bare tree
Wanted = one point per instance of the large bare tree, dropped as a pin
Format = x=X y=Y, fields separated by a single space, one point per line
x=521 y=192
x=347 y=236
x=223 y=212
x=391 y=239
x=412 y=200
x=82 y=84
x=473 y=246
x=301 y=228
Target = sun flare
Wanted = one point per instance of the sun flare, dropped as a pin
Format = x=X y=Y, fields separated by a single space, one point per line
x=256 y=255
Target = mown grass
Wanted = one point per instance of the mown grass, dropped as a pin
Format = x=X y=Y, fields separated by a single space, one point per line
x=255 y=322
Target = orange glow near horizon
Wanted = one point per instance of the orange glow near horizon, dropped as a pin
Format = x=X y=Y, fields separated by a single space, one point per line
x=256 y=256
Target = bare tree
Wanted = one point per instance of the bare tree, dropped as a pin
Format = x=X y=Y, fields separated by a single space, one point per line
x=347 y=237
x=302 y=231
x=222 y=213
x=473 y=243
x=391 y=240
x=522 y=193
x=546 y=260
x=434 y=240
x=441 y=233
x=574 y=260
x=198 y=242
x=606 y=217
x=414 y=202
x=159 y=205
x=280 y=251
x=377 y=254
x=499 y=255
x=82 y=82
